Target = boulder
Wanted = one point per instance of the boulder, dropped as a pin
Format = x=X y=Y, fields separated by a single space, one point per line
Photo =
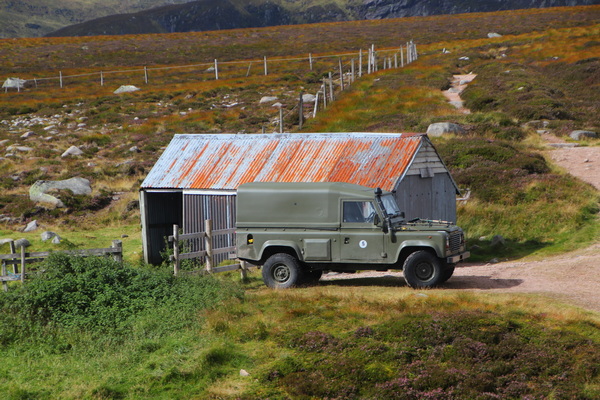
x=56 y=239
x=32 y=226
x=126 y=89
x=498 y=240
x=308 y=98
x=268 y=99
x=47 y=236
x=578 y=135
x=72 y=151
x=443 y=128
x=22 y=243
x=38 y=191
x=493 y=35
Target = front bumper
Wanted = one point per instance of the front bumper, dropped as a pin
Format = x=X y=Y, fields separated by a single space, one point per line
x=458 y=257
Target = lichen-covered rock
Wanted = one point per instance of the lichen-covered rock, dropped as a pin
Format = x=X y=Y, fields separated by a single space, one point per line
x=38 y=191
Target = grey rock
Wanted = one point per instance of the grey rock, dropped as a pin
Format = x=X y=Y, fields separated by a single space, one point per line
x=32 y=226
x=47 y=235
x=493 y=35
x=126 y=89
x=498 y=240
x=38 y=191
x=243 y=372
x=27 y=135
x=580 y=134
x=308 y=98
x=267 y=99
x=443 y=128
x=72 y=151
x=7 y=240
x=56 y=239
x=22 y=243
x=135 y=149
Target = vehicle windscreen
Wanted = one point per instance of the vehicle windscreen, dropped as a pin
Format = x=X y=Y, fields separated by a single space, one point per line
x=390 y=205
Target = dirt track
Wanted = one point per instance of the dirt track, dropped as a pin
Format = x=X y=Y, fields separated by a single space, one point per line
x=572 y=277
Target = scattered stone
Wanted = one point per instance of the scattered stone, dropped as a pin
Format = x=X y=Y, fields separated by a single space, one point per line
x=45 y=236
x=56 y=239
x=498 y=240
x=27 y=135
x=443 y=128
x=32 y=226
x=494 y=261
x=123 y=236
x=278 y=105
x=19 y=148
x=308 y=98
x=126 y=89
x=37 y=191
x=135 y=149
x=49 y=127
x=3 y=142
x=493 y=35
x=580 y=134
x=72 y=151
x=243 y=372
x=268 y=99
x=22 y=243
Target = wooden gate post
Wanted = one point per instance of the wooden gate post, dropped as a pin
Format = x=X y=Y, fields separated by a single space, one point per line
x=22 y=263
x=243 y=270
x=118 y=245
x=208 y=245
x=176 y=262
x=4 y=284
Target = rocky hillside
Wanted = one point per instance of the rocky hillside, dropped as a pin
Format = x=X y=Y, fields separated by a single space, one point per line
x=32 y=18
x=206 y=15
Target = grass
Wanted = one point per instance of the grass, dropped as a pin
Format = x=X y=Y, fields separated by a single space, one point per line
x=360 y=342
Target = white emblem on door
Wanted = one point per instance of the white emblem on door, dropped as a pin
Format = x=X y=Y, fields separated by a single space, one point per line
x=362 y=244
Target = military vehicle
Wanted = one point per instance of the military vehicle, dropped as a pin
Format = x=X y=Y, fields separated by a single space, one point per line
x=296 y=231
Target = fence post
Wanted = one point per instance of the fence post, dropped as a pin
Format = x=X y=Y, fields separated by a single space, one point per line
x=146 y=75
x=330 y=86
x=396 y=60
x=266 y=69
x=13 y=250
x=4 y=284
x=310 y=61
x=316 y=104
x=324 y=93
x=216 y=70
x=360 y=63
x=117 y=245
x=248 y=73
x=101 y=78
x=22 y=263
x=176 y=262
x=60 y=78
x=401 y=57
x=280 y=119
x=353 y=69
x=243 y=270
x=208 y=245
x=300 y=111
x=341 y=74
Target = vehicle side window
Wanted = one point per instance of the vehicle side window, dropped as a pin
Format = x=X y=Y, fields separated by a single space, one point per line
x=358 y=211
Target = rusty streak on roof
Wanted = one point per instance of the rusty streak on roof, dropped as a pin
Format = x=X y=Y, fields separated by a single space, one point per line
x=225 y=161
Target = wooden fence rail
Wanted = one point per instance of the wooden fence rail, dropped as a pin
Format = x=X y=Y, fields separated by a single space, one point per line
x=23 y=258
x=206 y=256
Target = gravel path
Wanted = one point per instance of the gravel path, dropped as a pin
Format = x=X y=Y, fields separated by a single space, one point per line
x=572 y=277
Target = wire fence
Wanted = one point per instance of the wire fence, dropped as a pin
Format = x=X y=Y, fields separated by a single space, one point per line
x=360 y=62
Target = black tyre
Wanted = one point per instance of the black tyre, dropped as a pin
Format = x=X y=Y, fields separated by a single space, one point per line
x=422 y=270
x=448 y=272
x=282 y=271
x=313 y=276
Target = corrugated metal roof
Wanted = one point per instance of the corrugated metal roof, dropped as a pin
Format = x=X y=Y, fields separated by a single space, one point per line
x=225 y=161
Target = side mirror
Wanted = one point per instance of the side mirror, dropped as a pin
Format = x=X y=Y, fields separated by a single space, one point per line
x=376 y=219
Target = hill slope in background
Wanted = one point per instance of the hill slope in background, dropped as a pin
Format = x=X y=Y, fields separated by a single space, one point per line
x=32 y=18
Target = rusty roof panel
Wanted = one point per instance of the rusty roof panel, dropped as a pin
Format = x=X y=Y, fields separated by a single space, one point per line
x=225 y=161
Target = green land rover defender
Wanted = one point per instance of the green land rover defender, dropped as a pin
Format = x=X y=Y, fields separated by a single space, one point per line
x=296 y=231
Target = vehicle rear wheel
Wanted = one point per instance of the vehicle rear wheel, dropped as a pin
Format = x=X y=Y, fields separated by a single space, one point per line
x=282 y=271
x=422 y=270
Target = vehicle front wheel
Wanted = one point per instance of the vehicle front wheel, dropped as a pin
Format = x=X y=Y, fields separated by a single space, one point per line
x=423 y=270
x=282 y=271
